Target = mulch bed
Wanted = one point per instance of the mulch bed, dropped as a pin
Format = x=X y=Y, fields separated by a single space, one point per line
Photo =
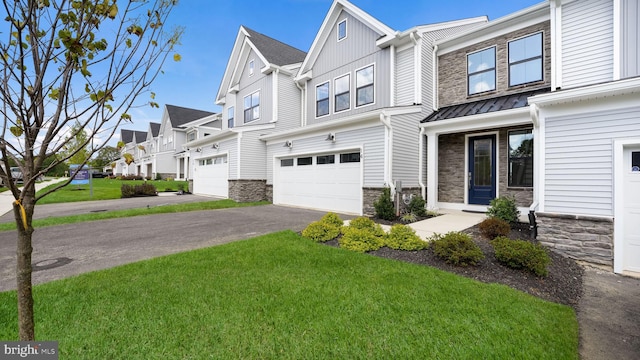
x=563 y=284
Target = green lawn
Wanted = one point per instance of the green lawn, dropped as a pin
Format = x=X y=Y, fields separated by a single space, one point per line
x=103 y=189
x=283 y=296
x=164 y=209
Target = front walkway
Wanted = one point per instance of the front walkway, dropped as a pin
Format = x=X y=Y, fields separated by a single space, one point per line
x=6 y=198
x=448 y=220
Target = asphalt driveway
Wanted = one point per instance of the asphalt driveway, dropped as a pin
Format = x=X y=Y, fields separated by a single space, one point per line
x=67 y=250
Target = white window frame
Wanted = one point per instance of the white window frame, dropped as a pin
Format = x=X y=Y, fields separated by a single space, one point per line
x=194 y=133
x=244 y=110
x=346 y=27
x=373 y=85
x=336 y=94
x=252 y=66
x=231 y=117
x=495 y=70
x=328 y=99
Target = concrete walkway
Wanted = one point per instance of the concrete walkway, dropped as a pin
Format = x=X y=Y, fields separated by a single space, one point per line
x=448 y=220
x=6 y=197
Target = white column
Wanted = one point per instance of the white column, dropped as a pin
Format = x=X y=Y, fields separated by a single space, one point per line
x=432 y=170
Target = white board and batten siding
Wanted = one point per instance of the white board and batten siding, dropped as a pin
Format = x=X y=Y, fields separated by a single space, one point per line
x=288 y=100
x=587 y=43
x=579 y=173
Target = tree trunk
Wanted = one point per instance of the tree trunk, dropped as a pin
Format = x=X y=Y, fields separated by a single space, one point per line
x=26 y=323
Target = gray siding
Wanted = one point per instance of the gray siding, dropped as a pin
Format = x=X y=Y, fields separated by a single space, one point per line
x=578 y=154
x=406 y=139
x=288 y=104
x=252 y=157
x=370 y=139
x=339 y=58
x=587 y=42
x=262 y=83
x=630 y=38
x=405 y=77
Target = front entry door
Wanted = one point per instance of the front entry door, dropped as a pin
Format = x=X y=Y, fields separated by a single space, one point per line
x=482 y=169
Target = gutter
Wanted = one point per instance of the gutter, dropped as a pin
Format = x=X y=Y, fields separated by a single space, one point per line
x=423 y=186
x=384 y=119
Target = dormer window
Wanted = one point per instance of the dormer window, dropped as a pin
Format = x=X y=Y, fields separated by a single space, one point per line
x=342 y=29
x=251 y=67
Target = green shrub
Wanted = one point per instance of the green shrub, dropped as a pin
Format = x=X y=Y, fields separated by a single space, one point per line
x=456 y=248
x=416 y=206
x=320 y=231
x=504 y=208
x=128 y=191
x=360 y=240
x=520 y=254
x=364 y=223
x=491 y=228
x=402 y=237
x=333 y=219
x=384 y=206
x=408 y=218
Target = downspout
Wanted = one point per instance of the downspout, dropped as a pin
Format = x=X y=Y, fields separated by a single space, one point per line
x=384 y=119
x=423 y=187
x=434 y=77
x=416 y=70
x=276 y=94
x=392 y=62
x=535 y=118
x=303 y=95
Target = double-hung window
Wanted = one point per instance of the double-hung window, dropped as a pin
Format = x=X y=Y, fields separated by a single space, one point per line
x=342 y=97
x=191 y=135
x=322 y=99
x=525 y=60
x=364 y=86
x=252 y=107
x=521 y=158
x=231 y=116
x=481 y=71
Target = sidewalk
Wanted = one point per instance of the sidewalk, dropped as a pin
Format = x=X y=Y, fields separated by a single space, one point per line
x=6 y=197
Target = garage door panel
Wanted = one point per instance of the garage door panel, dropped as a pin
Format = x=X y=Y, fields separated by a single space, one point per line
x=212 y=179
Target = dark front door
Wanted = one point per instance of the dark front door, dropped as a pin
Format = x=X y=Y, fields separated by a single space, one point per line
x=482 y=169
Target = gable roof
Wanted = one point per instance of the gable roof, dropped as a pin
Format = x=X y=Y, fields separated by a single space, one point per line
x=500 y=103
x=155 y=129
x=327 y=25
x=179 y=116
x=272 y=52
x=126 y=136
x=140 y=136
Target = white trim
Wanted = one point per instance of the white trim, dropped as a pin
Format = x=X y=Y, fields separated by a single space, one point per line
x=275 y=95
x=614 y=88
x=417 y=64
x=355 y=86
x=315 y=110
x=401 y=37
x=335 y=93
x=252 y=67
x=556 y=45
x=244 y=121
x=392 y=75
x=617 y=39
x=481 y=121
x=466 y=162
x=618 y=224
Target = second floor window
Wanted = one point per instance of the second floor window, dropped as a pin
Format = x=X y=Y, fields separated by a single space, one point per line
x=481 y=71
x=342 y=97
x=252 y=107
x=191 y=136
x=364 y=86
x=322 y=99
x=230 y=117
x=525 y=60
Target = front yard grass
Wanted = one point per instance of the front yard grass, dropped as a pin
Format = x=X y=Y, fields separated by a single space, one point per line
x=164 y=209
x=284 y=296
x=103 y=189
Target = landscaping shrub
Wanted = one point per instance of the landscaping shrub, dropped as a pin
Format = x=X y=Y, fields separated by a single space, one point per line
x=364 y=223
x=145 y=189
x=456 y=248
x=333 y=219
x=408 y=218
x=504 y=208
x=521 y=254
x=360 y=240
x=402 y=237
x=321 y=231
x=416 y=206
x=384 y=207
x=491 y=228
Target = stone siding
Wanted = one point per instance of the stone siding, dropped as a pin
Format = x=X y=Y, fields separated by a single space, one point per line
x=582 y=238
x=451 y=168
x=247 y=190
x=371 y=195
x=269 y=193
x=452 y=68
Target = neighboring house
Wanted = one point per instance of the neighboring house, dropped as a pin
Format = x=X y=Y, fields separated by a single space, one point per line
x=171 y=159
x=365 y=87
x=588 y=154
x=128 y=139
x=480 y=141
x=147 y=158
x=258 y=96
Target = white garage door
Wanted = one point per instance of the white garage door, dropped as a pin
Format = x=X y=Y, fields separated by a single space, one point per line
x=631 y=214
x=210 y=176
x=330 y=182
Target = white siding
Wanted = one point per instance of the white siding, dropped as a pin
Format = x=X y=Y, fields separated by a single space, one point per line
x=630 y=38
x=405 y=77
x=579 y=155
x=405 y=149
x=288 y=104
x=253 y=157
x=370 y=139
x=228 y=146
x=587 y=42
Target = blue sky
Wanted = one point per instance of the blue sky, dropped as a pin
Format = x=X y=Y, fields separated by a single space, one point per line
x=211 y=27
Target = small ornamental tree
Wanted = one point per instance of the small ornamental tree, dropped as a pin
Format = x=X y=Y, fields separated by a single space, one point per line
x=70 y=68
